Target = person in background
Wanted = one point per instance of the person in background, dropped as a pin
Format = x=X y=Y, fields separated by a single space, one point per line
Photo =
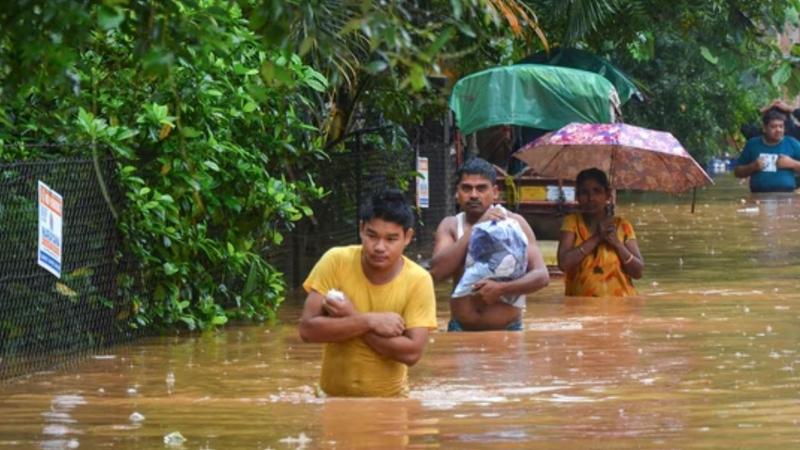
x=598 y=251
x=494 y=304
x=770 y=160
x=370 y=305
x=790 y=126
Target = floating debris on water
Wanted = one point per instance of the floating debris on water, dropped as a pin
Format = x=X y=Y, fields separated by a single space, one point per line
x=555 y=326
x=301 y=440
x=174 y=439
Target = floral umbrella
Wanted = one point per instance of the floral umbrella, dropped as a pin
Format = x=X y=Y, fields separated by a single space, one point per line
x=633 y=157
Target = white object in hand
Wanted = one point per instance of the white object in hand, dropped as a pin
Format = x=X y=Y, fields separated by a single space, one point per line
x=770 y=161
x=335 y=294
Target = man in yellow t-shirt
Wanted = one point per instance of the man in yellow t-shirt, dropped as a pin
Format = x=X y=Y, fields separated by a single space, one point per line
x=378 y=322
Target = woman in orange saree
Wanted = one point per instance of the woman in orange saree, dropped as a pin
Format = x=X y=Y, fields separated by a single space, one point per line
x=598 y=250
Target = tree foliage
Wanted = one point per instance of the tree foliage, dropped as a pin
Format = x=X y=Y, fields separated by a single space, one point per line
x=202 y=136
x=706 y=67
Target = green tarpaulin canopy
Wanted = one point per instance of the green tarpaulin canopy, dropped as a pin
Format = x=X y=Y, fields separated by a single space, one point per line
x=532 y=95
x=583 y=60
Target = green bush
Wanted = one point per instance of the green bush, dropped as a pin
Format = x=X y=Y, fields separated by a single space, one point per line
x=205 y=124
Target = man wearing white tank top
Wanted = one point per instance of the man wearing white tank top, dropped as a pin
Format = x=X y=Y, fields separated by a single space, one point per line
x=495 y=305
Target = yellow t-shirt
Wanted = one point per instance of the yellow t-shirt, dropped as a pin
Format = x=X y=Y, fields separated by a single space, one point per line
x=600 y=273
x=351 y=368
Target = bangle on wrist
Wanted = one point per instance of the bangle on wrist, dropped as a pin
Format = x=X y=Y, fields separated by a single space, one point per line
x=580 y=249
x=630 y=258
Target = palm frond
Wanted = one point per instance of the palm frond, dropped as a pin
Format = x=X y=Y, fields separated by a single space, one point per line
x=586 y=16
x=520 y=18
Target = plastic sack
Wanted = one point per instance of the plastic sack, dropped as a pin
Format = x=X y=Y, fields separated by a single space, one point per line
x=497 y=250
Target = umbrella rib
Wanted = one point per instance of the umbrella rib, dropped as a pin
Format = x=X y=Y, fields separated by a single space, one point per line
x=685 y=175
x=552 y=158
x=662 y=158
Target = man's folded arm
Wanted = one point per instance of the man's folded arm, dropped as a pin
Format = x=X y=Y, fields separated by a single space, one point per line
x=406 y=348
x=315 y=326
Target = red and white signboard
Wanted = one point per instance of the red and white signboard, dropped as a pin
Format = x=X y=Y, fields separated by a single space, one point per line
x=51 y=213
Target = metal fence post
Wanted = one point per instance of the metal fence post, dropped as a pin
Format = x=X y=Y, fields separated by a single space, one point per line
x=358 y=183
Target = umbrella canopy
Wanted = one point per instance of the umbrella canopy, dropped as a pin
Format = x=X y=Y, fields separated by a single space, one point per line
x=583 y=60
x=532 y=95
x=633 y=157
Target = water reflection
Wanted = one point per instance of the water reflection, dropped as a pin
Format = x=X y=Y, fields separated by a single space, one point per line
x=706 y=357
x=375 y=423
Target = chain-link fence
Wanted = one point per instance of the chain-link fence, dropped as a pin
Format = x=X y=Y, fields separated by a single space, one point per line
x=45 y=320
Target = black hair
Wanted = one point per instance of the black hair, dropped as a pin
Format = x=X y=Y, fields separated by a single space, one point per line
x=389 y=205
x=476 y=166
x=773 y=114
x=593 y=174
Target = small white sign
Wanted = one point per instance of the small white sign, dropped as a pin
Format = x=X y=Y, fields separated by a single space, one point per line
x=557 y=194
x=569 y=193
x=423 y=198
x=51 y=213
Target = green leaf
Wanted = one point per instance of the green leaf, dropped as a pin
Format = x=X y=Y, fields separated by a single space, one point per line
x=109 y=17
x=189 y=321
x=189 y=132
x=85 y=120
x=781 y=76
x=125 y=134
x=792 y=14
x=170 y=268
x=708 y=56
x=211 y=165
x=466 y=30
x=315 y=85
x=440 y=41
x=377 y=66
x=457 y=10
x=219 y=320
x=417 y=77
x=275 y=74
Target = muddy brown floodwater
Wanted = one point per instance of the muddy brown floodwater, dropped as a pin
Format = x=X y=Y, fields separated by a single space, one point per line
x=706 y=357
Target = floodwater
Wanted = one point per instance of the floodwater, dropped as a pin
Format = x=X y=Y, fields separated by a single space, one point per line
x=705 y=358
